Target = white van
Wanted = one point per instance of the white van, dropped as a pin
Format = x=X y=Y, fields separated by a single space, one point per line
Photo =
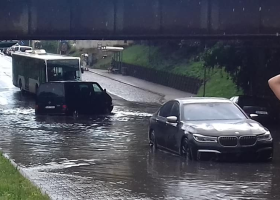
x=20 y=49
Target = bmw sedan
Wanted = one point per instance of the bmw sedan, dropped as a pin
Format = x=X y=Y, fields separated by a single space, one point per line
x=197 y=126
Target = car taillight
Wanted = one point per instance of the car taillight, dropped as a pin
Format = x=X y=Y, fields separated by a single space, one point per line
x=64 y=107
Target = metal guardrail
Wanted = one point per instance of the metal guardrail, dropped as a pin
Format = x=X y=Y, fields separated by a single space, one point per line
x=183 y=83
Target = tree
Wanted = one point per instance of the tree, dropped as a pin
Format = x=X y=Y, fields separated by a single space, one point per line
x=50 y=46
x=250 y=64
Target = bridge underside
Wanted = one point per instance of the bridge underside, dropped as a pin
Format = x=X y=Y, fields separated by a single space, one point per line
x=138 y=19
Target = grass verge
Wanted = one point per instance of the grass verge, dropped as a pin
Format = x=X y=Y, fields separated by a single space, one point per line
x=13 y=186
x=219 y=82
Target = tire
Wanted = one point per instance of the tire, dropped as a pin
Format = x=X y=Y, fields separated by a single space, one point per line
x=152 y=140
x=265 y=157
x=107 y=111
x=186 y=151
x=36 y=89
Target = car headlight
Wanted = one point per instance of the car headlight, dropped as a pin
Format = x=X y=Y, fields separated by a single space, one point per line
x=265 y=136
x=203 y=138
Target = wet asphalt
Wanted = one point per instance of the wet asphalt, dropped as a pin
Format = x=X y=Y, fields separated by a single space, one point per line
x=108 y=157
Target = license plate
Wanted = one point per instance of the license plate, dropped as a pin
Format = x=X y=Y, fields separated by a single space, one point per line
x=50 y=107
x=261 y=112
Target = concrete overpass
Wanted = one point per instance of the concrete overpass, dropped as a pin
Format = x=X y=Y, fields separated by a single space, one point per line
x=6 y=44
x=138 y=19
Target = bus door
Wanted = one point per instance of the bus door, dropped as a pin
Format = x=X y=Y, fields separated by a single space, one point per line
x=42 y=72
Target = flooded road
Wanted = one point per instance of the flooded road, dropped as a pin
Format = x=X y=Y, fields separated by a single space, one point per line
x=108 y=157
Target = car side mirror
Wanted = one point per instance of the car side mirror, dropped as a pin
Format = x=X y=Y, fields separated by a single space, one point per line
x=105 y=91
x=172 y=119
x=82 y=70
x=253 y=116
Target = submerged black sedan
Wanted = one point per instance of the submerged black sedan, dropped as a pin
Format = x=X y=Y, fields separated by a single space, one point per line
x=198 y=126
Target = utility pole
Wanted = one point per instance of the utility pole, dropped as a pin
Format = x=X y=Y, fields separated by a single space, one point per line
x=149 y=56
x=204 y=82
x=204 y=77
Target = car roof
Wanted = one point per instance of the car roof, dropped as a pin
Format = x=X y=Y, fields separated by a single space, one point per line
x=203 y=100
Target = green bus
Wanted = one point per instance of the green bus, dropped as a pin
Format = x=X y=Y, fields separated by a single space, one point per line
x=32 y=68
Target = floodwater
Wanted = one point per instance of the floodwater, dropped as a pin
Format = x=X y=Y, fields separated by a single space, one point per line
x=108 y=157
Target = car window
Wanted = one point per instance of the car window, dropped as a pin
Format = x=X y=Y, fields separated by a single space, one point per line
x=84 y=90
x=16 y=49
x=175 y=111
x=97 y=88
x=51 y=90
x=165 y=110
x=211 y=111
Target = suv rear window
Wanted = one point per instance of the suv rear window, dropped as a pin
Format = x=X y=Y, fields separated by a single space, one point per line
x=53 y=90
x=251 y=101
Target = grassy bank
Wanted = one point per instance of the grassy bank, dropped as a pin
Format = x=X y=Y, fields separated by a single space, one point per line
x=219 y=83
x=14 y=186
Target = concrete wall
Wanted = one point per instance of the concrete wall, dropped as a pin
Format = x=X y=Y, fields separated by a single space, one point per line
x=88 y=44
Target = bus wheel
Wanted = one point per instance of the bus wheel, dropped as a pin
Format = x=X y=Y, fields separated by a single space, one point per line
x=36 y=89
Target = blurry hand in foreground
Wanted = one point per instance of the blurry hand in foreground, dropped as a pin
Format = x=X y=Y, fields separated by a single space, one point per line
x=274 y=84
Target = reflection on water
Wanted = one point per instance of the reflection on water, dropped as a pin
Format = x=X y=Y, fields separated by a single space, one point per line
x=109 y=155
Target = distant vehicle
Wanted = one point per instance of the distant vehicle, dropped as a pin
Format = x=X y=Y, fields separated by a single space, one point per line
x=32 y=69
x=261 y=109
x=195 y=127
x=5 y=51
x=10 y=50
x=70 y=97
x=19 y=48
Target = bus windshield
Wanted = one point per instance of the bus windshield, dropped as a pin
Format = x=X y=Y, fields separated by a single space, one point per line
x=63 y=70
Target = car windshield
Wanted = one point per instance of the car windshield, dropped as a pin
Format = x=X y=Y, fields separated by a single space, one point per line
x=63 y=70
x=211 y=111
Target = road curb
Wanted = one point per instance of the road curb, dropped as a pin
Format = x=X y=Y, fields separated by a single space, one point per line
x=162 y=95
x=25 y=175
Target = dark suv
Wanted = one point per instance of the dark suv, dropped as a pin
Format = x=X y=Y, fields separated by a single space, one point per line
x=67 y=98
x=264 y=110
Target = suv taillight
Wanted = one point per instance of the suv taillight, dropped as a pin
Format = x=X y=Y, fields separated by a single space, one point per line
x=64 y=107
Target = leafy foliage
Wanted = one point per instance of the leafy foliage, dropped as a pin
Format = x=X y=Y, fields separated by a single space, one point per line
x=51 y=46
